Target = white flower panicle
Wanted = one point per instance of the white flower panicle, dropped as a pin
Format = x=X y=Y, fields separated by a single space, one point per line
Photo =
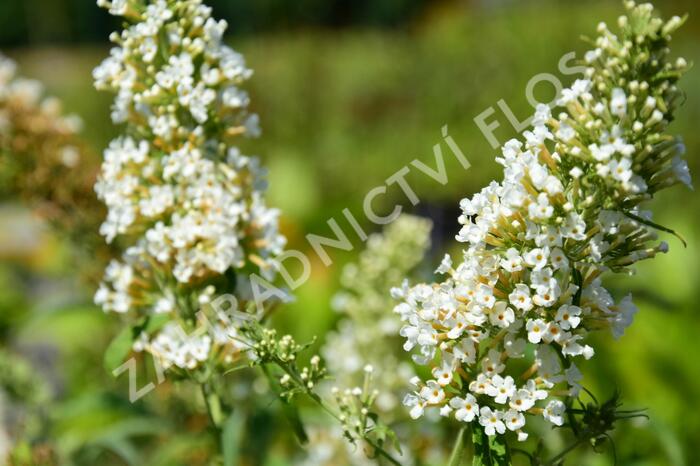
x=366 y=344
x=174 y=78
x=180 y=195
x=45 y=163
x=26 y=96
x=367 y=334
x=539 y=242
x=37 y=142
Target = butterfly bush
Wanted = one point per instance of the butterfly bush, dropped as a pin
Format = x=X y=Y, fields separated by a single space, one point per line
x=366 y=343
x=504 y=331
x=45 y=163
x=35 y=135
x=367 y=334
x=183 y=200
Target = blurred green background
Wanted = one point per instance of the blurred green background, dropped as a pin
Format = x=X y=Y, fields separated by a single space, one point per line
x=348 y=93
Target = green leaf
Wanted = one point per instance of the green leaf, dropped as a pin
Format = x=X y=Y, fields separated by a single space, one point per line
x=290 y=411
x=231 y=436
x=458 y=450
x=383 y=433
x=121 y=345
x=214 y=407
x=489 y=451
x=394 y=439
x=154 y=323
x=656 y=226
x=292 y=414
x=122 y=448
x=118 y=349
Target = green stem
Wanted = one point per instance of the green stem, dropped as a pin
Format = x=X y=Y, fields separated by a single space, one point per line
x=382 y=452
x=214 y=411
x=566 y=451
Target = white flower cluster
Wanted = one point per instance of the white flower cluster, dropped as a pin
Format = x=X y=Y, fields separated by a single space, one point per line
x=567 y=211
x=45 y=164
x=33 y=131
x=172 y=346
x=328 y=447
x=344 y=444
x=173 y=76
x=187 y=204
x=26 y=96
x=367 y=334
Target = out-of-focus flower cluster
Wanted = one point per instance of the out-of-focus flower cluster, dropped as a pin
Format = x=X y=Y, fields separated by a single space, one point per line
x=360 y=425
x=366 y=344
x=23 y=399
x=179 y=193
x=538 y=243
x=367 y=334
x=44 y=162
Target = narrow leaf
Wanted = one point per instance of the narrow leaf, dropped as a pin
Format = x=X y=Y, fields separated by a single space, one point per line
x=118 y=349
x=458 y=450
x=290 y=411
x=231 y=436
x=656 y=226
x=292 y=414
x=121 y=345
